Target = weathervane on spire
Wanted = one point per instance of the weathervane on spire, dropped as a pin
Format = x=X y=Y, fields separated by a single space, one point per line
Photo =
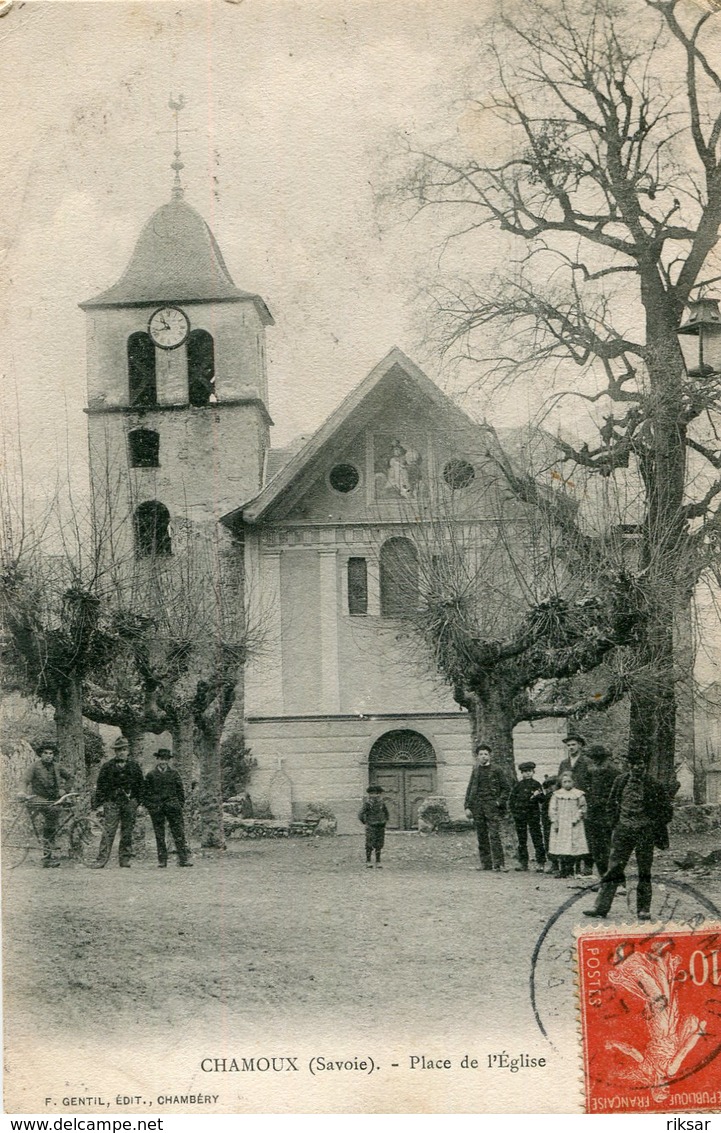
x=176 y=105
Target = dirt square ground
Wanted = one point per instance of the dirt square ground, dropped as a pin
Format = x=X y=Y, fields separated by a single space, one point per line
x=295 y=933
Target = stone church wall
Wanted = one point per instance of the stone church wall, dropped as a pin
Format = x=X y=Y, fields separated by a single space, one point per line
x=326 y=758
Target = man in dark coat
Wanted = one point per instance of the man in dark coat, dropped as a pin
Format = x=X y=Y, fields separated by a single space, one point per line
x=524 y=803
x=164 y=798
x=580 y=767
x=603 y=773
x=48 y=784
x=119 y=791
x=485 y=803
x=575 y=761
x=639 y=811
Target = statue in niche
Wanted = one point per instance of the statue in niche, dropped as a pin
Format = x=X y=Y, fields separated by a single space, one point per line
x=398 y=470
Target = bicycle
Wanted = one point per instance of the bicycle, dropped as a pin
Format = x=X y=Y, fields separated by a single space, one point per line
x=78 y=829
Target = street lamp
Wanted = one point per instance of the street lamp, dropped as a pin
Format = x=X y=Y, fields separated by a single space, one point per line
x=704 y=321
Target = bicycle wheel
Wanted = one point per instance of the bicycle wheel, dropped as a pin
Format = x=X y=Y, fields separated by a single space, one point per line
x=85 y=840
x=16 y=842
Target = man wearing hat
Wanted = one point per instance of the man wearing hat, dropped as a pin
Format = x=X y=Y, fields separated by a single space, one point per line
x=639 y=811
x=164 y=800
x=119 y=791
x=48 y=784
x=579 y=765
x=603 y=773
x=524 y=803
x=575 y=760
x=485 y=803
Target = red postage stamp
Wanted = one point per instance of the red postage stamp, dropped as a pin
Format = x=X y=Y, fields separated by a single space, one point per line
x=650 y=1003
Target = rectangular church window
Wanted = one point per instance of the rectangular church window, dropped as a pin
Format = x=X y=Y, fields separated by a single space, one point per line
x=144 y=448
x=357 y=586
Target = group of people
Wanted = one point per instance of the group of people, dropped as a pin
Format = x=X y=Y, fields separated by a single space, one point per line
x=591 y=813
x=120 y=790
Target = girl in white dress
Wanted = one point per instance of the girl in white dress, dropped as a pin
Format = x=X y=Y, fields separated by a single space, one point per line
x=566 y=811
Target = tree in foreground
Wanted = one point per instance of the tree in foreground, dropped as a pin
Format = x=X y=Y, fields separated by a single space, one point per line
x=593 y=152
x=55 y=629
x=185 y=625
x=512 y=607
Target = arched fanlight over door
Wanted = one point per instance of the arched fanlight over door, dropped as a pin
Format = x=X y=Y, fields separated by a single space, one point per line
x=402 y=746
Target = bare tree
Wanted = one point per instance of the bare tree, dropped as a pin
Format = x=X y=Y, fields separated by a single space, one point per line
x=609 y=195
x=513 y=599
x=145 y=642
x=185 y=623
x=54 y=621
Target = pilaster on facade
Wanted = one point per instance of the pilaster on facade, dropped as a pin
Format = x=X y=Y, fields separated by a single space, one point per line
x=271 y=664
x=329 y=667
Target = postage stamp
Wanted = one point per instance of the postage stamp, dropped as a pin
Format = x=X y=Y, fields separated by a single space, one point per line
x=650 y=1014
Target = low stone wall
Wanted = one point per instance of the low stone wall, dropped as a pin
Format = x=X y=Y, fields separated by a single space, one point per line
x=690 y=819
x=696 y=818
x=271 y=828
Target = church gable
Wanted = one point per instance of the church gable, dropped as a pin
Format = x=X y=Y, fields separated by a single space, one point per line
x=401 y=448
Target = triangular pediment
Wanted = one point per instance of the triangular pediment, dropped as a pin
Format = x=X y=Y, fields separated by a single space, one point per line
x=394 y=435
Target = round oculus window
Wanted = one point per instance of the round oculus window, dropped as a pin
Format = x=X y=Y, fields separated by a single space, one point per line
x=459 y=474
x=344 y=477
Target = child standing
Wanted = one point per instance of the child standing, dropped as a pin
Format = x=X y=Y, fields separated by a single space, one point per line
x=524 y=803
x=374 y=815
x=566 y=811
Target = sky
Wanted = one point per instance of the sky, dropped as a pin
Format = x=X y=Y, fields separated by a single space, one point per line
x=296 y=116
x=293 y=111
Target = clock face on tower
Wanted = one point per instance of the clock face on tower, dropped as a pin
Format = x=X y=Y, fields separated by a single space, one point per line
x=168 y=327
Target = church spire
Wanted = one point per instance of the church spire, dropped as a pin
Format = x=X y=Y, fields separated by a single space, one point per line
x=176 y=105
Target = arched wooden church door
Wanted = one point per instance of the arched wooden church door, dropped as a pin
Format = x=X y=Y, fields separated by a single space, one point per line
x=403 y=763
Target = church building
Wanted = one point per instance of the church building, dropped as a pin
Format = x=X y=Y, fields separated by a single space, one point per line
x=331 y=530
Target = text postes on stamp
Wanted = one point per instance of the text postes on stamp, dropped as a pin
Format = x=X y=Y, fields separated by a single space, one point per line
x=650 y=1007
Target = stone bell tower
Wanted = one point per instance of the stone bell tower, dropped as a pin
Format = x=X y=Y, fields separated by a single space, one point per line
x=177 y=409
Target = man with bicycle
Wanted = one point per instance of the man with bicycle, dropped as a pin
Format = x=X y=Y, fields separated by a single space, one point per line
x=119 y=791
x=47 y=784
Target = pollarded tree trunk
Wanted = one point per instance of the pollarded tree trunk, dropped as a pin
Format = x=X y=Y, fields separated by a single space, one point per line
x=69 y=727
x=493 y=724
x=134 y=734
x=210 y=799
x=653 y=705
x=183 y=734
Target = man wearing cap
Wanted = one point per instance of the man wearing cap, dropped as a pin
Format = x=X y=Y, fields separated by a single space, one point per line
x=374 y=815
x=485 y=803
x=639 y=811
x=524 y=803
x=164 y=799
x=119 y=791
x=579 y=765
x=47 y=785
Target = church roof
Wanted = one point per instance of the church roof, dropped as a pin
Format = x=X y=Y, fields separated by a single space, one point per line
x=396 y=367
x=176 y=259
